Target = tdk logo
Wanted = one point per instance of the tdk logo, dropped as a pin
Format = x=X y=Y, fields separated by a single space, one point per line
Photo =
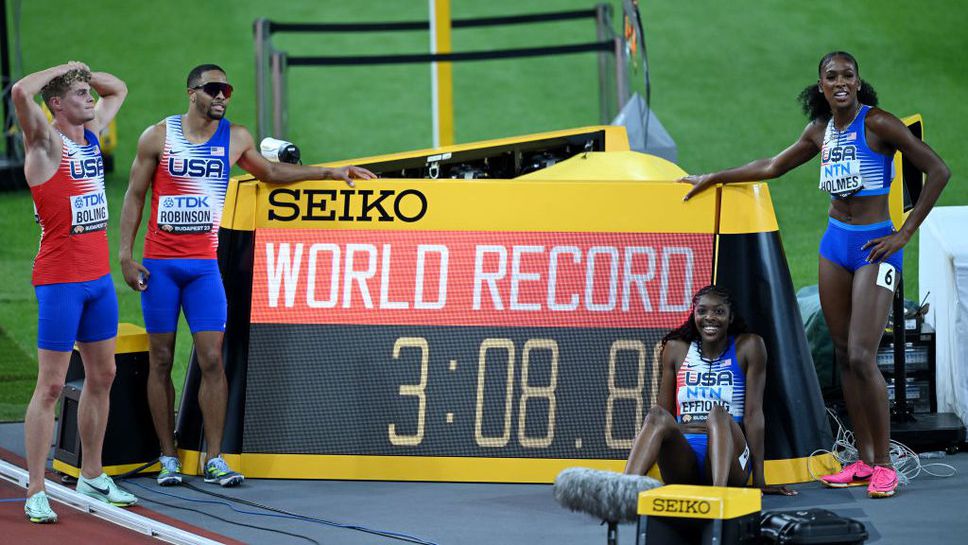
x=85 y=169
x=196 y=168
x=185 y=201
x=840 y=153
x=89 y=200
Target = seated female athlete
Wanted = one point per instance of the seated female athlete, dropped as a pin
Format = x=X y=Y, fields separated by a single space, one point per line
x=713 y=373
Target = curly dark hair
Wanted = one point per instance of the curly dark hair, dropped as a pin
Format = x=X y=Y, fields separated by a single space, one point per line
x=815 y=106
x=59 y=86
x=688 y=331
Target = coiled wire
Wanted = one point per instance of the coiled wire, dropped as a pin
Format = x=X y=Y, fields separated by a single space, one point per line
x=906 y=462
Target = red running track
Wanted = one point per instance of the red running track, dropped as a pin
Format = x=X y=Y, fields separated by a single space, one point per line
x=74 y=527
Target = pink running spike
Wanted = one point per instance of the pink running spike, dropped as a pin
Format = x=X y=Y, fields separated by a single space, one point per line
x=855 y=474
x=883 y=482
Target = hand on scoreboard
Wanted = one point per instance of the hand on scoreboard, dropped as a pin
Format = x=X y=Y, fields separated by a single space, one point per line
x=700 y=182
x=349 y=173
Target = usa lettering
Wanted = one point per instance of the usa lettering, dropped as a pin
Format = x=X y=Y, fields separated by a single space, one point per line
x=196 y=167
x=86 y=169
x=722 y=378
x=840 y=153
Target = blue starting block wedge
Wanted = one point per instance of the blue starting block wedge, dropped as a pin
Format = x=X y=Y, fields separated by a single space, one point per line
x=706 y=515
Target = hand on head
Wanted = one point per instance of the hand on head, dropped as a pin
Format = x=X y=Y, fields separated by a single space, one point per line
x=77 y=65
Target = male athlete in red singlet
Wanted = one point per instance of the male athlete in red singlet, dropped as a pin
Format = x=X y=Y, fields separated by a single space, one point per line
x=185 y=159
x=72 y=280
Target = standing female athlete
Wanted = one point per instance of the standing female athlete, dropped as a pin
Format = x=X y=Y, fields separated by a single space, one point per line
x=860 y=254
x=713 y=374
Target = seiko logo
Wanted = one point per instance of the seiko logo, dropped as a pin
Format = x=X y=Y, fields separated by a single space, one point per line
x=196 y=168
x=407 y=206
x=85 y=169
x=840 y=153
x=672 y=505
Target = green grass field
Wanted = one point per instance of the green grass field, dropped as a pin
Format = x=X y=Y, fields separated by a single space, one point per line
x=725 y=76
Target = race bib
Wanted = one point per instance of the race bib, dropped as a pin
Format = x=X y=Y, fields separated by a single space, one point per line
x=89 y=212
x=696 y=402
x=841 y=178
x=887 y=276
x=181 y=214
x=744 y=458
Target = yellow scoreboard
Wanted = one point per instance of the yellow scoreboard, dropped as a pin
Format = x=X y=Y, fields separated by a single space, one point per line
x=460 y=329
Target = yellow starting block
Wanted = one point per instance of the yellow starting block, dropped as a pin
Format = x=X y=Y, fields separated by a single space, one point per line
x=707 y=515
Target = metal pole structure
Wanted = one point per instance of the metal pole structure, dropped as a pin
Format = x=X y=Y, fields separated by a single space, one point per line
x=261 y=31
x=621 y=73
x=603 y=24
x=277 y=66
x=441 y=74
x=5 y=79
x=901 y=410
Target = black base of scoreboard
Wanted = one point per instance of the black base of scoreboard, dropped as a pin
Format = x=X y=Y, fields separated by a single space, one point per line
x=129 y=440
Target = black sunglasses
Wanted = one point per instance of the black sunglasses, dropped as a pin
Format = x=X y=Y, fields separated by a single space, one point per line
x=213 y=88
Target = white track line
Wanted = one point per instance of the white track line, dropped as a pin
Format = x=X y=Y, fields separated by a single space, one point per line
x=108 y=512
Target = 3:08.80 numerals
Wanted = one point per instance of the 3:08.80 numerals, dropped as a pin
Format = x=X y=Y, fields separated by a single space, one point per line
x=503 y=351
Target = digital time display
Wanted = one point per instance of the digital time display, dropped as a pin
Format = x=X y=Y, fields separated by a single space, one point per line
x=485 y=330
x=461 y=343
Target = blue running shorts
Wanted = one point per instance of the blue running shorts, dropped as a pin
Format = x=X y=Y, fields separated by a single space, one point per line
x=842 y=244
x=85 y=312
x=700 y=446
x=194 y=285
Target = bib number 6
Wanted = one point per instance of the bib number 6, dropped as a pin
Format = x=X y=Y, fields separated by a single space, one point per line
x=887 y=276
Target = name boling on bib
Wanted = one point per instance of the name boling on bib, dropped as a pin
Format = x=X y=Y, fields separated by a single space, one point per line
x=89 y=212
